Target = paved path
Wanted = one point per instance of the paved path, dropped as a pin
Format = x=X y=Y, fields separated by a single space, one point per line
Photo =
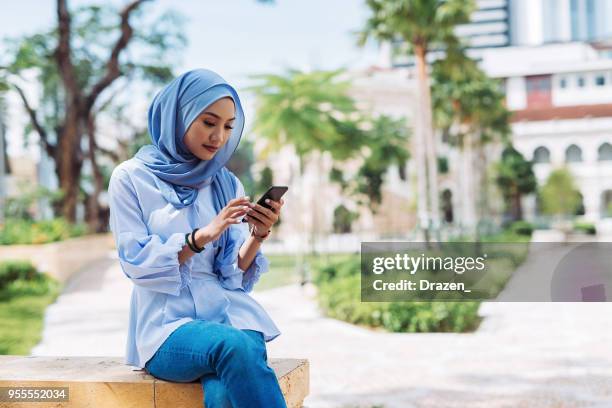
x=524 y=354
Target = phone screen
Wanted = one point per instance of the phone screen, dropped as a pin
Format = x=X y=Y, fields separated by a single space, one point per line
x=274 y=193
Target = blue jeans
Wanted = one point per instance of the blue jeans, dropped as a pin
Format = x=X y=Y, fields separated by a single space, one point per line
x=230 y=363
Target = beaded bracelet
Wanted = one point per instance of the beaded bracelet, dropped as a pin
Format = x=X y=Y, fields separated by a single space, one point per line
x=191 y=243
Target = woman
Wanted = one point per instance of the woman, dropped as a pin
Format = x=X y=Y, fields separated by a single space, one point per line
x=176 y=218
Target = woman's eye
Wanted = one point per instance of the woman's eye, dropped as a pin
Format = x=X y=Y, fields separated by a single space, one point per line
x=229 y=127
x=209 y=124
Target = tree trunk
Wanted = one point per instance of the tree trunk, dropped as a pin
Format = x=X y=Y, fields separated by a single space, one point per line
x=430 y=143
x=69 y=163
x=69 y=158
x=467 y=197
x=316 y=202
x=302 y=232
x=517 y=206
x=96 y=224
x=420 y=149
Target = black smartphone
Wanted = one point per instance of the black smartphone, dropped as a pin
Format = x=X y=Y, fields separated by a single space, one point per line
x=274 y=193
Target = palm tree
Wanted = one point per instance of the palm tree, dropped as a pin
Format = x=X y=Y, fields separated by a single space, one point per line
x=470 y=108
x=422 y=25
x=305 y=110
x=4 y=169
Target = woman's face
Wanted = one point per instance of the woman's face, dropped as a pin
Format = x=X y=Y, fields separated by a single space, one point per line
x=211 y=130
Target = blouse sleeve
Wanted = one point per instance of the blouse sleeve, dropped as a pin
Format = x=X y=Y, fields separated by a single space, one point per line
x=146 y=259
x=260 y=262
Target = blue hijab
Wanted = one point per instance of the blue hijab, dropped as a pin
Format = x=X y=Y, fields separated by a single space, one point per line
x=179 y=172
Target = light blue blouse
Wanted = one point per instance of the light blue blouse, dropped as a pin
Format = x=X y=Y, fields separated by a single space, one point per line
x=149 y=232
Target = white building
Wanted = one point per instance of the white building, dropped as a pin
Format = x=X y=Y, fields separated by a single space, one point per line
x=561 y=96
x=555 y=58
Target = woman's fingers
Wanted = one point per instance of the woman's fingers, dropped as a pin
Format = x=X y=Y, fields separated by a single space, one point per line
x=235 y=210
x=257 y=221
x=237 y=202
x=275 y=204
x=267 y=213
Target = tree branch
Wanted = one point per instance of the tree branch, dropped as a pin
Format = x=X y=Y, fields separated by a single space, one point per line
x=63 y=52
x=50 y=149
x=112 y=66
x=110 y=153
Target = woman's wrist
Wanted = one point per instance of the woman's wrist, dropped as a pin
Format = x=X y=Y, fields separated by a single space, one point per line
x=259 y=237
x=202 y=237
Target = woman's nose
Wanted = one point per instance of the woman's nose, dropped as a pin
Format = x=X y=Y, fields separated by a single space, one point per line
x=214 y=136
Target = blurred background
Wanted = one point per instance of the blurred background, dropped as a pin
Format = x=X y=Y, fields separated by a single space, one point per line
x=411 y=120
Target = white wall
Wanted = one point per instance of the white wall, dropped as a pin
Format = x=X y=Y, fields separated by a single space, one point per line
x=592 y=176
x=516 y=93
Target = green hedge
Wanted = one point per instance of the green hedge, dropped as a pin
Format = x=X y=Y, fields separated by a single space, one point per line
x=340 y=298
x=522 y=228
x=585 y=227
x=16 y=231
x=25 y=293
x=13 y=270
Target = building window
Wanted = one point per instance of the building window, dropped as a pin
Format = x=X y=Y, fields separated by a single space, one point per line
x=563 y=82
x=573 y=154
x=581 y=81
x=541 y=155
x=600 y=80
x=604 y=152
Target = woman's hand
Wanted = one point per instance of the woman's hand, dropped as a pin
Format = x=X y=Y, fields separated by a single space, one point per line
x=262 y=218
x=230 y=214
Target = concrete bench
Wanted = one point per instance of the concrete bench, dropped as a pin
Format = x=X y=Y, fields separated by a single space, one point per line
x=95 y=382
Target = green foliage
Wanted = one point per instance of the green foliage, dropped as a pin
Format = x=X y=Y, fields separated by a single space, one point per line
x=515 y=174
x=94 y=31
x=147 y=59
x=387 y=141
x=343 y=219
x=303 y=109
x=23 y=299
x=559 y=195
x=313 y=112
x=443 y=165
x=585 y=227
x=240 y=164
x=20 y=206
x=266 y=179
x=515 y=177
x=340 y=298
x=13 y=270
x=385 y=144
x=427 y=23
x=462 y=93
x=18 y=231
x=521 y=228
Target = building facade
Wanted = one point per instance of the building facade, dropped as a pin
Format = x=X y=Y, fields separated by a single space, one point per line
x=555 y=60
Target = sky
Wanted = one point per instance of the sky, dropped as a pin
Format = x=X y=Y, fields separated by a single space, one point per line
x=236 y=38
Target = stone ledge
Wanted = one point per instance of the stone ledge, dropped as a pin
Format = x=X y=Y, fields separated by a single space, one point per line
x=63 y=258
x=107 y=382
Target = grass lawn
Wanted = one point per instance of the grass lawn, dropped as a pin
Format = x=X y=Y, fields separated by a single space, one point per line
x=283 y=269
x=22 y=308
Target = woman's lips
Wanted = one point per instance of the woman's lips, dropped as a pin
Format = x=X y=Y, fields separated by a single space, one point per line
x=211 y=149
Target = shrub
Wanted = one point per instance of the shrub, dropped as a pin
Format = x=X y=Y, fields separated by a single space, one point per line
x=585 y=227
x=16 y=231
x=340 y=298
x=11 y=271
x=521 y=228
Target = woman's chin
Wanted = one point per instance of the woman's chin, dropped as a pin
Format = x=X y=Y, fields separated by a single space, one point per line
x=206 y=156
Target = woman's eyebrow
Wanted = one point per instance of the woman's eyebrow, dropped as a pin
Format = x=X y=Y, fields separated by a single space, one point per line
x=217 y=116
